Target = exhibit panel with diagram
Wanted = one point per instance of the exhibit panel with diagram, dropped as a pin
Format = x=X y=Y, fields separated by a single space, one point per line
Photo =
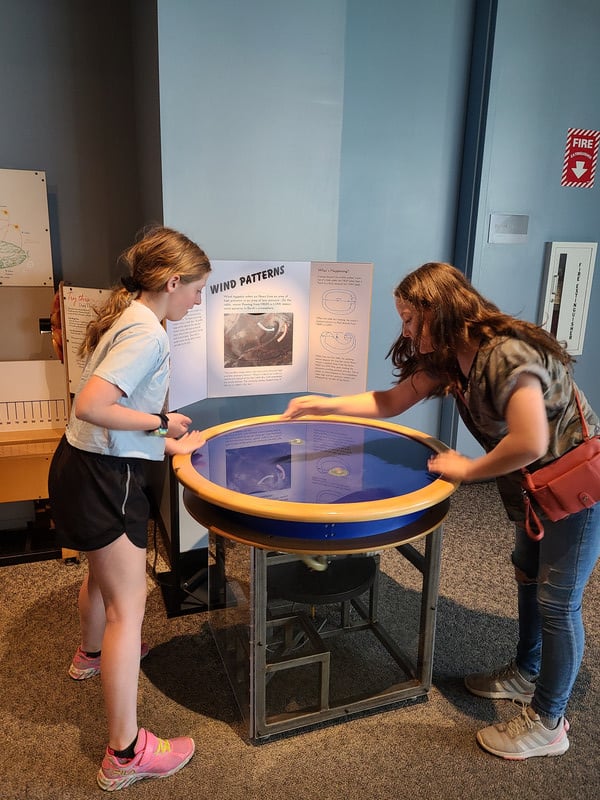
x=274 y=327
x=25 y=255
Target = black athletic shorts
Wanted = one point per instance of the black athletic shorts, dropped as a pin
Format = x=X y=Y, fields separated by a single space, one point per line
x=94 y=498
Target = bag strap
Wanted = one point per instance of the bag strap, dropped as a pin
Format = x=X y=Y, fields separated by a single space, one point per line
x=584 y=427
x=533 y=524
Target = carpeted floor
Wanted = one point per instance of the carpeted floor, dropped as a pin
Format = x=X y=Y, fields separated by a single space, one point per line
x=54 y=732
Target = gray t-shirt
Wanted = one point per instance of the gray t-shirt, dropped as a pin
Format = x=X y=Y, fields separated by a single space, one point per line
x=492 y=380
x=133 y=354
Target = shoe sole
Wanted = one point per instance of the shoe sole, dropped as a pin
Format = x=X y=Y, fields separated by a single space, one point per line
x=114 y=784
x=91 y=672
x=554 y=749
x=522 y=697
x=82 y=674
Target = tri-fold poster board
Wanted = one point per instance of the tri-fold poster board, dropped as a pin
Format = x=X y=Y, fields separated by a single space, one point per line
x=262 y=328
x=272 y=328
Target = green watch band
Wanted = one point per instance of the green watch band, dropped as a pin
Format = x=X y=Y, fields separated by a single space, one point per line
x=163 y=428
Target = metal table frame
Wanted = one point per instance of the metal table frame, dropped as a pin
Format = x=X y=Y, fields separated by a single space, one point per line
x=252 y=668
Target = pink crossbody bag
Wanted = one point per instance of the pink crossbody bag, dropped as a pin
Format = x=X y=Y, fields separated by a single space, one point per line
x=566 y=485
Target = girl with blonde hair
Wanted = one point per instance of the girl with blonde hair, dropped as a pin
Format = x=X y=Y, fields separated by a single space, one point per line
x=98 y=484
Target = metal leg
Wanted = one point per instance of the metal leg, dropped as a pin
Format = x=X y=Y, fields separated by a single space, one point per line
x=297 y=627
x=429 y=599
x=258 y=637
x=261 y=670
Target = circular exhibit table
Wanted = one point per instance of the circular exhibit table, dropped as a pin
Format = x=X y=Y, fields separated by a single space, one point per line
x=332 y=492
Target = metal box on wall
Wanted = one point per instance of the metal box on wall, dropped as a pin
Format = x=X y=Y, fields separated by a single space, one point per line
x=567 y=289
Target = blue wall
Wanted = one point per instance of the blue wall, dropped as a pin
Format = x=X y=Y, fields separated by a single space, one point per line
x=335 y=130
x=251 y=119
x=544 y=80
x=545 y=66
x=404 y=106
x=318 y=130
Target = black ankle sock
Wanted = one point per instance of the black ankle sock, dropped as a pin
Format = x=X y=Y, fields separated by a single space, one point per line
x=128 y=752
x=96 y=654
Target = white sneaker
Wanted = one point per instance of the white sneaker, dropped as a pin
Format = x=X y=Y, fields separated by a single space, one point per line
x=524 y=737
x=505 y=683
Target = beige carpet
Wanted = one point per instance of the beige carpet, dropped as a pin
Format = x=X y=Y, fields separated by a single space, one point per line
x=54 y=732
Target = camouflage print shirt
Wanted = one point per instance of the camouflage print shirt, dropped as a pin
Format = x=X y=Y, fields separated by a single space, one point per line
x=492 y=379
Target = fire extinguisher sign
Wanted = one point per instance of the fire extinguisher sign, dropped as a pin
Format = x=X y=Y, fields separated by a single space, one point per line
x=581 y=155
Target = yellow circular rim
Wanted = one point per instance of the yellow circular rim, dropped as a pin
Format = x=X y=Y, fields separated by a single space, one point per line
x=430 y=495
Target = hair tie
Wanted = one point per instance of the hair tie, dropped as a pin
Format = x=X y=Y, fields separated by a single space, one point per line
x=131 y=284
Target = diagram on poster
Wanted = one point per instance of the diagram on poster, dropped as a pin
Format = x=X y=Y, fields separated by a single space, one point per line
x=271 y=328
x=25 y=253
x=340 y=299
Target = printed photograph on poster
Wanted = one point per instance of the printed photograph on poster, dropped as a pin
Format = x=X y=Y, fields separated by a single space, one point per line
x=257 y=339
x=271 y=328
x=257 y=315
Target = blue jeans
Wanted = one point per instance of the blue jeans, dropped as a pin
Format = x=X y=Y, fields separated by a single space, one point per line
x=551 y=635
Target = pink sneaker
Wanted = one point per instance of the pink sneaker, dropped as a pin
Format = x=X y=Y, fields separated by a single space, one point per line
x=154 y=758
x=83 y=666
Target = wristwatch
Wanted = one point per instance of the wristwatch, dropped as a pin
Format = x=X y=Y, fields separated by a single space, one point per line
x=163 y=428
